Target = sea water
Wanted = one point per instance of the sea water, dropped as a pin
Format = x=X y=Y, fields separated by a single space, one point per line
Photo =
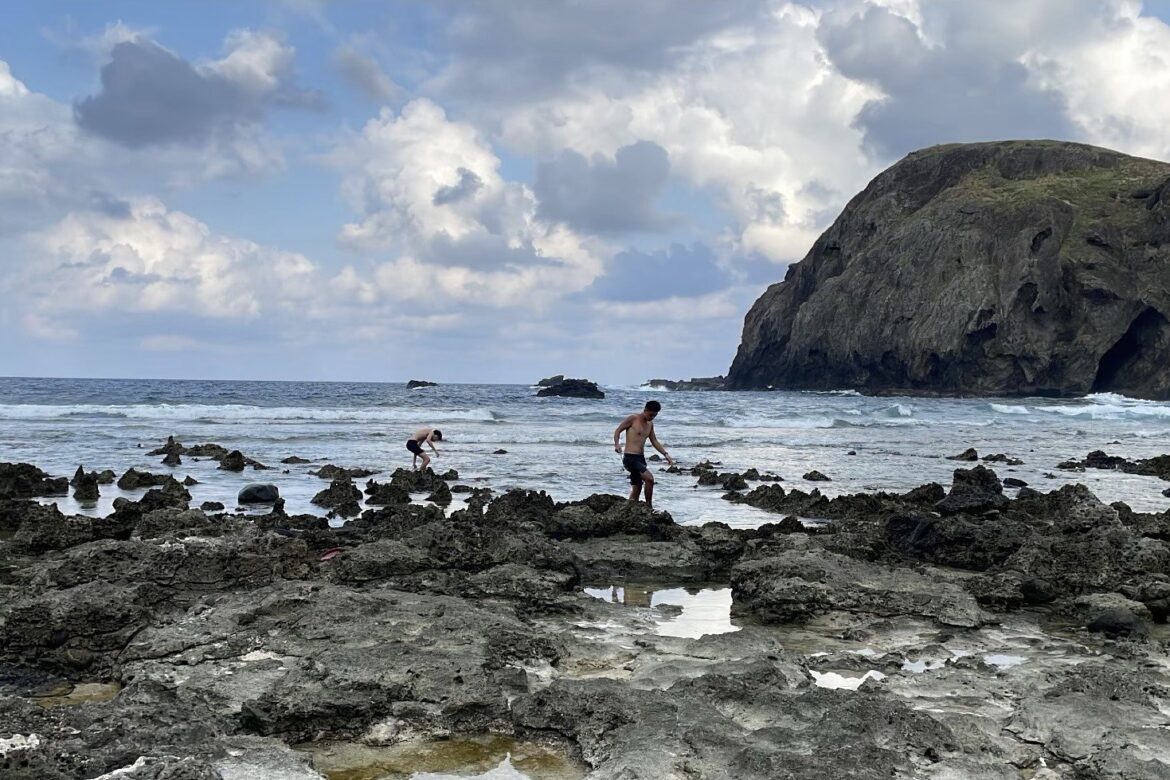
x=565 y=446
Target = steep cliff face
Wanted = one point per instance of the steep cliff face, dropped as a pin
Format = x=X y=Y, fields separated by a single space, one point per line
x=1010 y=268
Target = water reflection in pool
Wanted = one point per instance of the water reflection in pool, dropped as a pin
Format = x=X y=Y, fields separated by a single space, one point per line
x=703 y=610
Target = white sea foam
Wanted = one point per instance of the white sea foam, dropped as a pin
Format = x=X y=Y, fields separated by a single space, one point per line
x=1009 y=409
x=232 y=413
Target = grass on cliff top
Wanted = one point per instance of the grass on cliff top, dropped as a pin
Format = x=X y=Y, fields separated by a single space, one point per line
x=1098 y=195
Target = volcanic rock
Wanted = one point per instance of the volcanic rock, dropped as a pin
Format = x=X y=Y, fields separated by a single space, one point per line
x=134 y=479
x=22 y=480
x=86 y=488
x=257 y=493
x=549 y=381
x=340 y=493
x=331 y=472
x=233 y=461
x=572 y=388
x=416 y=383
x=1005 y=268
x=973 y=490
x=694 y=383
x=382 y=494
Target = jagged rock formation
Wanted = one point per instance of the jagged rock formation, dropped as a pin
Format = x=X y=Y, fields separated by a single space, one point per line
x=1007 y=268
x=694 y=383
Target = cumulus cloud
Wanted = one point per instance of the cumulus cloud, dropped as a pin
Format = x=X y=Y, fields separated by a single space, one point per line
x=517 y=51
x=469 y=183
x=152 y=96
x=972 y=87
x=749 y=113
x=602 y=195
x=157 y=260
x=679 y=271
x=365 y=74
x=430 y=193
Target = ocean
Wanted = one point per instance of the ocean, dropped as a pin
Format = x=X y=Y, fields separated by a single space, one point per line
x=564 y=446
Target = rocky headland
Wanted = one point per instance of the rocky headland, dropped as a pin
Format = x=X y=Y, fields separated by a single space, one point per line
x=953 y=631
x=1008 y=268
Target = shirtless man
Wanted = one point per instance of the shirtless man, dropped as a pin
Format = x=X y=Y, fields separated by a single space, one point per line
x=638 y=428
x=427 y=436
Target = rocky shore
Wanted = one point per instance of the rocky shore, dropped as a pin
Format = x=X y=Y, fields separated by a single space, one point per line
x=954 y=631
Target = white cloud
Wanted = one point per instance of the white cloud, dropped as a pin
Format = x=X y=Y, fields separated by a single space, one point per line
x=156 y=260
x=1115 y=79
x=753 y=113
x=430 y=193
x=257 y=61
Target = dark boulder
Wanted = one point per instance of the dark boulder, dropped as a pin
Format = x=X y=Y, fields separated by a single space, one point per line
x=416 y=383
x=816 y=476
x=257 y=493
x=293 y=459
x=23 y=480
x=172 y=459
x=549 y=381
x=233 y=461
x=86 y=488
x=331 y=472
x=383 y=494
x=341 y=493
x=441 y=495
x=1050 y=255
x=973 y=491
x=969 y=454
x=572 y=388
x=134 y=479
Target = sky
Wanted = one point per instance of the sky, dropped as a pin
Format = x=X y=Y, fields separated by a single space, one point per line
x=489 y=191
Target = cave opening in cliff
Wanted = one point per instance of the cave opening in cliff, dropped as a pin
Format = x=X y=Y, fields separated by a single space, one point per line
x=1131 y=359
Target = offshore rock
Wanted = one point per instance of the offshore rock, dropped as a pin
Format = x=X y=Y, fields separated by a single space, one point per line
x=572 y=388
x=694 y=383
x=1006 y=268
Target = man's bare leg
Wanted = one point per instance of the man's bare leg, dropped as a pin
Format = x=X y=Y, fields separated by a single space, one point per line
x=648 y=478
x=414 y=462
x=426 y=462
x=635 y=491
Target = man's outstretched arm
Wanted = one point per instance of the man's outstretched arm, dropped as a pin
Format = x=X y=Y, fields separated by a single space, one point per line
x=431 y=442
x=660 y=448
x=617 y=432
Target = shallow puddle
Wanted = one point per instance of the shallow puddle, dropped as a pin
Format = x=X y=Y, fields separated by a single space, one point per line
x=490 y=757
x=701 y=611
x=69 y=695
x=843 y=682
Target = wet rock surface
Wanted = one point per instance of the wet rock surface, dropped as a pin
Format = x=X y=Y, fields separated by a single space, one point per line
x=877 y=636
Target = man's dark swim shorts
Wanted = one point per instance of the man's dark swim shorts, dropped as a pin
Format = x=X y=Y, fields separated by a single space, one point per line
x=414 y=446
x=635 y=464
